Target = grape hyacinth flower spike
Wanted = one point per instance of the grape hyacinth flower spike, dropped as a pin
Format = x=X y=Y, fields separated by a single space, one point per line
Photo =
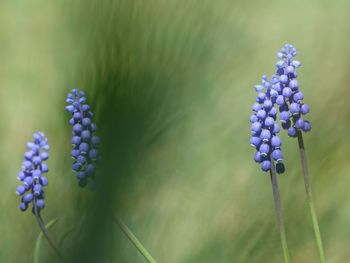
x=292 y=110
x=33 y=181
x=264 y=139
x=84 y=140
x=290 y=98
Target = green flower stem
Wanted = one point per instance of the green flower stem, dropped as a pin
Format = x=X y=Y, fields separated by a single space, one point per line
x=135 y=241
x=46 y=232
x=279 y=217
x=309 y=197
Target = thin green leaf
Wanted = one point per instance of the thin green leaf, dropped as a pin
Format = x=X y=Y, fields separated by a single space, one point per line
x=39 y=241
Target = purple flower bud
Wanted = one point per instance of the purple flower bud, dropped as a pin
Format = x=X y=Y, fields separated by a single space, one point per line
x=96 y=140
x=307 y=126
x=21 y=175
x=28 y=155
x=81 y=159
x=75 y=153
x=267 y=104
x=253 y=118
x=265 y=135
x=86 y=134
x=293 y=84
x=257 y=157
x=77 y=115
x=277 y=155
x=44 y=168
x=71 y=121
x=76 y=166
x=40 y=203
x=305 y=109
x=269 y=122
x=37 y=189
x=70 y=108
x=264 y=149
x=276 y=128
x=294 y=108
x=20 y=190
x=36 y=160
x=284 y=79
x=44 y=156
x=266 y=166
x=259 y=88
x=299 y=124
x=85 y=107
x=261 y=97
x=290 y=69
x=27 y=165
x=77 y=127
x=93 y=153
x=256 y=107
x=297 y=97
x=261 y=114
x=84 y=147
x=90 y=168
x=93 y=127
x=76 y=140
x=23 y=206
x=86 y=122
x=27 y=198
x=43 y=180
x=36 y=174
x=273 y=113
x=81 y=175
x=276 y=141
x=28 y=181
x=280 y=100
x=284 y=116
x=287 y=92
x=292 y=132
x=296 y=63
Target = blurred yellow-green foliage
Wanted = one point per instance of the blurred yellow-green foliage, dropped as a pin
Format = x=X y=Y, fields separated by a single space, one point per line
x=171 y=83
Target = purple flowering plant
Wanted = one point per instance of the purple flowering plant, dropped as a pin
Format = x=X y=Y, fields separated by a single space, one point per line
x=84 y=140
x=281 y=99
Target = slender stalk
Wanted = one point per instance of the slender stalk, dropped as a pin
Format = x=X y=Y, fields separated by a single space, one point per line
x=46 y=232
x=309 y=197
x=279 y=216
x=135 y=241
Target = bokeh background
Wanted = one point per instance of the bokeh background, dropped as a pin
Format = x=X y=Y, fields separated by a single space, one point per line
x=171 y=83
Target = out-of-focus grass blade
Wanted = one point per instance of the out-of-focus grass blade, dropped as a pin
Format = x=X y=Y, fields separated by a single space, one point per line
x=39 y=241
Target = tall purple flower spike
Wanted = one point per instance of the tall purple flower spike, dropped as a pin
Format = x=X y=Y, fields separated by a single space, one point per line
x=84 y=140
x=32 y=174
x=290 y=98
x=264 y=128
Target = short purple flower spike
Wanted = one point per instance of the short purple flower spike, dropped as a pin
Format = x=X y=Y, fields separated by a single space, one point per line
x=32 y=173
x=84 y=140
x=264 y=128
x=290 y=97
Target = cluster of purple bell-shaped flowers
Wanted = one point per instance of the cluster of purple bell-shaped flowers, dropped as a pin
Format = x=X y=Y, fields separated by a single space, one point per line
x=32 y=175
x=84 y=140
x=290 y=98
x=281 y=92
x=264 y=129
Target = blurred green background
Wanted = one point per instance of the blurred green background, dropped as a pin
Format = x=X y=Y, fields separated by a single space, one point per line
x=171 y=83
